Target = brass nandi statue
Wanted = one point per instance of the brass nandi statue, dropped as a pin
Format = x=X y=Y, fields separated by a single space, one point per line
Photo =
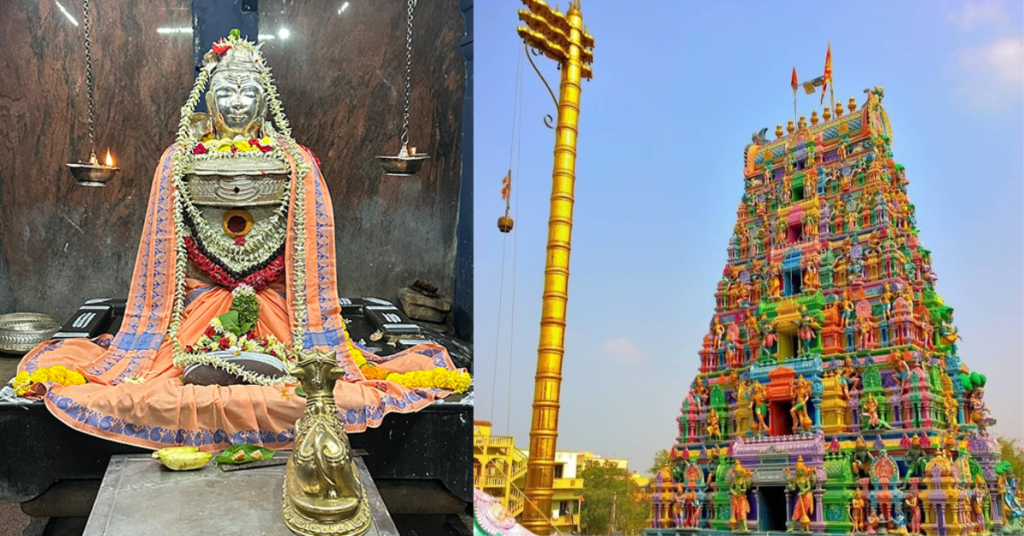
x=322 y=492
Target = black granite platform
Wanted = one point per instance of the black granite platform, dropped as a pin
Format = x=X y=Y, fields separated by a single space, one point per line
x=421 y=462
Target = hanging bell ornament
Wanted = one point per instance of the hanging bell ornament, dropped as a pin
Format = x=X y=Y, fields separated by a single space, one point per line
x=505 y=224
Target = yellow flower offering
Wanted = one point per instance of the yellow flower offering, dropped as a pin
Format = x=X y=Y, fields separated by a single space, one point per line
x=22 y=378
x=56 y=374
x=40 y=376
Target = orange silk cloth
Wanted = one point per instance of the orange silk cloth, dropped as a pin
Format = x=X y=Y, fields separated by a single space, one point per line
x=135 y=394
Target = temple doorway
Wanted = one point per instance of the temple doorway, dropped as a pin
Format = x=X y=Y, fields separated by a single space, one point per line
x=771 y=508
x=780 y=421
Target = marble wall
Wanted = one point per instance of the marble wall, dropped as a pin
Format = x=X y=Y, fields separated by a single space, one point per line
x=61 y=244
x=339 y=73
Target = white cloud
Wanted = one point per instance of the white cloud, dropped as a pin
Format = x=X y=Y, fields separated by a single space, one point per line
x=622 y=351
x=992 y=73
x=971 y=15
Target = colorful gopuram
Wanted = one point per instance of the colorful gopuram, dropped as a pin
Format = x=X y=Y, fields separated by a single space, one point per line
x=831 y=396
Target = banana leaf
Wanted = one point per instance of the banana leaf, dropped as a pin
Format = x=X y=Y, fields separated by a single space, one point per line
x=227 y=457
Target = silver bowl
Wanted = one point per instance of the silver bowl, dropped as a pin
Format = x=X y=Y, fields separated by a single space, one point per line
x=21 y=332
x=399 y=166
x=404 y=164
x=91 y=174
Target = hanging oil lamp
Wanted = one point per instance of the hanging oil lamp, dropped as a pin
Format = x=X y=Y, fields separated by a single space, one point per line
x=92 y=173
x=408 y=162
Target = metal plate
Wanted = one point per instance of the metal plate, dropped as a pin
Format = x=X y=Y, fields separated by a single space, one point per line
x=140 y=496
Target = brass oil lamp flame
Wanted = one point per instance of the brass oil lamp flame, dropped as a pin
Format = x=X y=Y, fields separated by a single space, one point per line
x=91 y=173
x=408 y=162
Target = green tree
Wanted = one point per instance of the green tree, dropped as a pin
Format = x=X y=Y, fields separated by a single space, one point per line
x=1013 y=452
x=661 y=461
x=612 y=502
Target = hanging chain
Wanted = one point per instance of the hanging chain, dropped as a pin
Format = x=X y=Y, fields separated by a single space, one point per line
x=408 y=76
x=88 y=79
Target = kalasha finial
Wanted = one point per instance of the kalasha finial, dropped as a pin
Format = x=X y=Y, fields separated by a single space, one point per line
x=839 y=109
x=826 y=114
x=814 y=117
x=852 y=105
x=778 y=131
x=790 y=128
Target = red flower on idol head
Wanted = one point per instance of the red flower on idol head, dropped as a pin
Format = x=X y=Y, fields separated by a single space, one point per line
x=251 y=336
x=210 y=332
x=220 y=47
x=239 y=240
x=200 y=149
x=266 y=148
x=225 y=343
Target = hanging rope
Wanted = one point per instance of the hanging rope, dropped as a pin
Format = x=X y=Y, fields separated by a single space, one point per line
x=515 y=252
x=516 y=98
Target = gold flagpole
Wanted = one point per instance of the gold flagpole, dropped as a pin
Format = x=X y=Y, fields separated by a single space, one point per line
x=563 y=39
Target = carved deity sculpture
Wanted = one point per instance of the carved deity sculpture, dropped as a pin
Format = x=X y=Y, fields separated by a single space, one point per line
x=861 y=462
x=767 y=335
x=322 y=491
x=739 y=504
x=848 y=314
x=678 y=506
x=690 y=512
x=713 y=429
x=916 y=460
x=1007 y=486
x=857 y=514
x=951 y=408
x=850 y=378
x=801 y=392
x=913 y=506
x=802 y=481
x=718 y=333
x=948 y=332
x=807 y=330
x=979 y=411
x=871 y=418
x=758 y=408
x=978 y=497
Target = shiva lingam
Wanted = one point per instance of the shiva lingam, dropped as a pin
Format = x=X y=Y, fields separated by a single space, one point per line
x=322 y=492
x=235 y=208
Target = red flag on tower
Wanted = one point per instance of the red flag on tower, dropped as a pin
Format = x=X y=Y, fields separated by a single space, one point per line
x=793 y=82
x=828 y=73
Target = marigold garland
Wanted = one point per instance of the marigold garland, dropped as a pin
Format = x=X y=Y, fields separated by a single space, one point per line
x=436 y=378
x=56 y=374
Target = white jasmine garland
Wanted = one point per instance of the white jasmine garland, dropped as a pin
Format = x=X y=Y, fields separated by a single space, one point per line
x=181 y=201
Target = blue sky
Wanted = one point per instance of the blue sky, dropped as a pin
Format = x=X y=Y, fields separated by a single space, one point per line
x=678 y=89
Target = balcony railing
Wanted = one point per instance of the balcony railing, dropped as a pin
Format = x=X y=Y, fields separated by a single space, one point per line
x=494 y=441
x=489 y=481
x=568 y=483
